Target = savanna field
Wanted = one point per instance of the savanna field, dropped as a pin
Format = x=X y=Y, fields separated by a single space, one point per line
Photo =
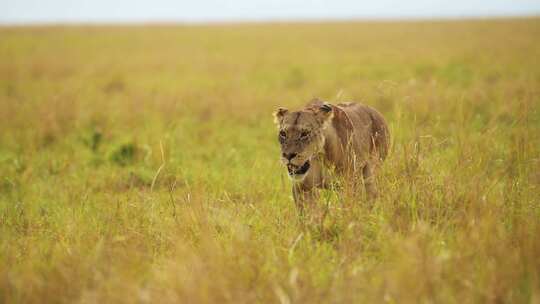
x=140 y=164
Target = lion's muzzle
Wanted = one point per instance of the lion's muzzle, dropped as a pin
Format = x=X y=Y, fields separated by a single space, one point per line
x=298 y=172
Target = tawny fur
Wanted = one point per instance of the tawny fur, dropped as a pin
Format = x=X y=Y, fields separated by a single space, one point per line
x=350 y=139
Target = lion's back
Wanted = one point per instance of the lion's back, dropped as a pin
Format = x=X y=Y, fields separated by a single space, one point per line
x=370 y=127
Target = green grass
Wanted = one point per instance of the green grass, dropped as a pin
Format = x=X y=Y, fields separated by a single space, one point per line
x=89 y=115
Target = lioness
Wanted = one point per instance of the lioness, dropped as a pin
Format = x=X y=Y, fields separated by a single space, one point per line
x=347 y=138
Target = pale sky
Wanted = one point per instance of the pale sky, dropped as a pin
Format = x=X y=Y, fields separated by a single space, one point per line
x=113 y=11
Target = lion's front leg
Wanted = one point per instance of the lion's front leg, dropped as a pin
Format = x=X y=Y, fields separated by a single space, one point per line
x=306 y=191
x=304 y=195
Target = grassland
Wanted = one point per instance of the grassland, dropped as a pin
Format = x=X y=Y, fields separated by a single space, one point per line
x=140 y=164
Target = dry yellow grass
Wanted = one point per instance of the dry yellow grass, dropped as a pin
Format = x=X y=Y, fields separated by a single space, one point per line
x=87 y=112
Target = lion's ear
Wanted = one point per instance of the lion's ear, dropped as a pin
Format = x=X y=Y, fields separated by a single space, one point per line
x=326 y=107
x=278 y=115
x=324 y=114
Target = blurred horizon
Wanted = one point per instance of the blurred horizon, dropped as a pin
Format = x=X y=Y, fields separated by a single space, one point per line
x=31 y=12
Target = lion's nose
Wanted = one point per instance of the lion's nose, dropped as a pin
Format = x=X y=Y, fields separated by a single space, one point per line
x=289 y=156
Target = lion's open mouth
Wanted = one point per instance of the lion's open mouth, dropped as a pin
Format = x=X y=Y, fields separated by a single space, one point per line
x=298 y=170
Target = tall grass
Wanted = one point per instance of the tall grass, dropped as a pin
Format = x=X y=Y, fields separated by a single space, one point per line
x=140 y=164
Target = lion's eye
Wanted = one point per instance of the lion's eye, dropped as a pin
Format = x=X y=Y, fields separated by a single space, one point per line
x=304 y=134
x=282 y=134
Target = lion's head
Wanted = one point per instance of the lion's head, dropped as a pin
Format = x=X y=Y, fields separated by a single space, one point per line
x=301 y=136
